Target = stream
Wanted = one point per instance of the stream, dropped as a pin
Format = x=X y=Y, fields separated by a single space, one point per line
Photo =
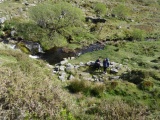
x=56 y=55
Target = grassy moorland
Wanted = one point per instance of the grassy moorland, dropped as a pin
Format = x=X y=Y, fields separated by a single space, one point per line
x=29 y=89
x=78 y=23
x=140 y=87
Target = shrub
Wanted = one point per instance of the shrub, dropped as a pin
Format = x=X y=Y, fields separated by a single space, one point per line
x=111 y=86
x=87 y=88
x=146 y=85
x=121 y=11
x=100 y=8
x=120 y=92
x=156 y=92
x=56 y=40
x=148 y=50
x=30 y=31
x=79 y=86
x=138 y=34
x=57 y=17
x=114 y=84
x=147 y=2
x=93 y=110
x=119 y=110
x=66 y=115
x=143 y=64
x=7 y=26
x=137 y=76
x=1 y=33
x=27 y=91
x=156 y=76
x=158 y=2
x=98 y=90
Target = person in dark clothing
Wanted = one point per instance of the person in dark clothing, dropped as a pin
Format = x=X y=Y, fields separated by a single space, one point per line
x=97 y=64
x=105 y=64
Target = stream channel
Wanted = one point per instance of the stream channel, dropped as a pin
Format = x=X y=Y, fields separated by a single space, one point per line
x=56 y=54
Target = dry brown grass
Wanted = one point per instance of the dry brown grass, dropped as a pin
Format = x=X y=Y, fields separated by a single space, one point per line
x=24 y=95
x=28 y=90
x=119 y=110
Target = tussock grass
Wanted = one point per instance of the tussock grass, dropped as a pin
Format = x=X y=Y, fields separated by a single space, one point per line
x=87 y=88
x=118 y=109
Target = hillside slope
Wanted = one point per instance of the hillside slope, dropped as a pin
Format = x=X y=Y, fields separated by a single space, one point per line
x=31 y=89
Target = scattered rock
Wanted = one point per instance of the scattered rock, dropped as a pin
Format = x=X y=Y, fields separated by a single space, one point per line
x=114 y=77
x=62 y=78
x=71 y=77
x=2 y=20
x=64 y=62
x=90 y=63
x=65 y=69
x=13 y=33
x=81 y=64
x=113 y=71
x=62 y=68
x=76 y=67
x=72 y=58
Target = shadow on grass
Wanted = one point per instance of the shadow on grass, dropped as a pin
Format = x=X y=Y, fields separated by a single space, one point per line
x=94 y=71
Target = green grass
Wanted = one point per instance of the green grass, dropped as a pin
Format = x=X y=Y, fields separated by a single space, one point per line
x=109 y=30
x=139 y=56
x=10 y=7
x=7 y=59
x=131 y=53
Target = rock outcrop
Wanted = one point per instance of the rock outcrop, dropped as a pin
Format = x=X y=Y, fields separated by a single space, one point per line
x=85 y=71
